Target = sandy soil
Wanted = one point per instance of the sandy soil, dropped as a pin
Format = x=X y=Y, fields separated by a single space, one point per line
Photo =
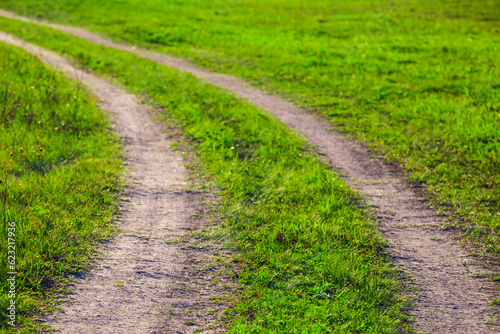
x=448 y=299
x=141 y=284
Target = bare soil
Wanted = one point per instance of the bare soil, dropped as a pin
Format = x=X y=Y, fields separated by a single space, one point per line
x=447 y=298
x=141 y=283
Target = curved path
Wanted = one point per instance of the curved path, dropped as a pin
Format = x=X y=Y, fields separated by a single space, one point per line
x=139 y=284
x=448 y=299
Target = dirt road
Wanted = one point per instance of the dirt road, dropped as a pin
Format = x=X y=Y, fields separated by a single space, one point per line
x=448 y=299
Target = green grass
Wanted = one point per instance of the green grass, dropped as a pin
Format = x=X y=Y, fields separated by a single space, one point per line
x=416 y=79
x=60 y=167
x=311 y=259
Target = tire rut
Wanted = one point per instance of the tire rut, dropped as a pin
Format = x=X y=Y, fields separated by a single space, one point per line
x=140 y=284
x=447 y=298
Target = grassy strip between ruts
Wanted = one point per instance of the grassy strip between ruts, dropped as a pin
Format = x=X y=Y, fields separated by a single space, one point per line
x=60 y=168
x=417 y=79
x=311 y=259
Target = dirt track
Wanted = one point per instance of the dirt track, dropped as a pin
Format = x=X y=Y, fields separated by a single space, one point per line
x=140 y=284
x=448 y=299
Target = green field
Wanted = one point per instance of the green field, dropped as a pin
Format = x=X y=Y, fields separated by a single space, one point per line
x=417 y=80
x=60 y=169
x=308 y=253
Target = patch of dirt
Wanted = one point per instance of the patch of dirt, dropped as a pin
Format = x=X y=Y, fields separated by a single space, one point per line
x=142 y=283
x=447 y=298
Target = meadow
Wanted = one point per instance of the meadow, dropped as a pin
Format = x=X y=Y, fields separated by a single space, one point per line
x=416 y=80
x=309 y=253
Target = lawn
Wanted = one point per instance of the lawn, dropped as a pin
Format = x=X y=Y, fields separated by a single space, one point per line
x=415 y=80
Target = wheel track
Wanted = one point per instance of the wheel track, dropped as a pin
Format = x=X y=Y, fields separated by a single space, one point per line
x=134 y=285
